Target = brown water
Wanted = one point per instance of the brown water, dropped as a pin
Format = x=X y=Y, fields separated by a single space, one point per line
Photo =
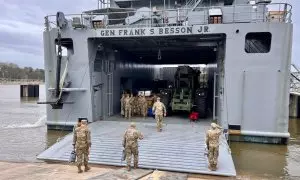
x=23 y=135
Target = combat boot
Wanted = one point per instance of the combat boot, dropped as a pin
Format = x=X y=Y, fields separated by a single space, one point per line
x=79 y=169
x=135 y=165
x=86 y=168
x=128 y=168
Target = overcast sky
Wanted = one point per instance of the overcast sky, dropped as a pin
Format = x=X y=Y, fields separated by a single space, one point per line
x=22 y=24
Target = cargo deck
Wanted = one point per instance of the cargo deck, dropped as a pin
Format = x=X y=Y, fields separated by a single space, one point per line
x=180 y=147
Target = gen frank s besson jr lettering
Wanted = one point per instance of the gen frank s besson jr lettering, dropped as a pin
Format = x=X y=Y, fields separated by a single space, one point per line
x=153 y=31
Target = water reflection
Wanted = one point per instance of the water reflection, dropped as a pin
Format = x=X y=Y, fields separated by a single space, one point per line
x=293 y=155
x=269 y=161
x=259 y=159
x=54 y=135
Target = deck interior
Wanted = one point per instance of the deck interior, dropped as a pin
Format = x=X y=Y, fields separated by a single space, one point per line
x=180 y=147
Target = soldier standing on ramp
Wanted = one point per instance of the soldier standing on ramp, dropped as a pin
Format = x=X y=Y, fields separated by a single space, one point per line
x=127 y=107
x=159 y=110
x=130 y=143
x=82 y=144
x=212 y=143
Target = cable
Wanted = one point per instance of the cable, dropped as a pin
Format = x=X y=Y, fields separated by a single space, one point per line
x=225 y=94
x=63 y=129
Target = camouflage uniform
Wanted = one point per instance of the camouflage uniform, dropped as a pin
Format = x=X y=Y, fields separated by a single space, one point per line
x=122 y=105
x=139 y=105
x=130 y=143
x=212 y=143
x=134 y=105
x=82 y=143
x=143 y=106
x=159 y=110
x=127 y=107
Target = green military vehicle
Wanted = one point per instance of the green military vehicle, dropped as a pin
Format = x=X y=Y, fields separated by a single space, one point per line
x=186 y=81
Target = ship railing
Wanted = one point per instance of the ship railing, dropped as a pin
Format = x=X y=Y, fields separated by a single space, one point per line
x=273 y=13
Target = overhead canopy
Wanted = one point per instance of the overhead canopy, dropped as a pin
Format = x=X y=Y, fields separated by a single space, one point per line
x=174 y=50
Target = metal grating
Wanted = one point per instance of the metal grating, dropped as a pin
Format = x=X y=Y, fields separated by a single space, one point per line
x=180 y=147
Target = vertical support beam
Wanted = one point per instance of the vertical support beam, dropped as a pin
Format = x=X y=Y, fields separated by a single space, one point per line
x=214 y=98
x=293 y=106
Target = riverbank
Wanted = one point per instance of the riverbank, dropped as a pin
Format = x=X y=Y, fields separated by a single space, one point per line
x=37 y=171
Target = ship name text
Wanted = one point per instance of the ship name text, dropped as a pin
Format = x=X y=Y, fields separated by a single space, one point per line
x=156 y=31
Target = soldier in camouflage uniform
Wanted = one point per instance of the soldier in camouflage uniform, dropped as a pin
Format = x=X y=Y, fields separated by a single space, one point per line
x=212 y=143
x=82 y=144
x=127 y=107
x=130 y=143
x=159 y=110
x=143 y=106
x=122 y=105
x=132 y=104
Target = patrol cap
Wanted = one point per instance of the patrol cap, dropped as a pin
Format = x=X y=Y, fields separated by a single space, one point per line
x=132 y=124
x=213 y=125
x=84 y=121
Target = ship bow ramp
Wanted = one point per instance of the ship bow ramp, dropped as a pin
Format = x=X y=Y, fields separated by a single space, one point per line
x=180 y=147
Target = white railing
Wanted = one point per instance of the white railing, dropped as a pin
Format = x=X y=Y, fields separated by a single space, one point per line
x=274 y=12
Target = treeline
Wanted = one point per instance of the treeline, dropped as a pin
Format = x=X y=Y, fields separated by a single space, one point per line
x=13 y=71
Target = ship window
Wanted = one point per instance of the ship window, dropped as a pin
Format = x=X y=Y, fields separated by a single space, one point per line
x=215 y=20
x=258 y=42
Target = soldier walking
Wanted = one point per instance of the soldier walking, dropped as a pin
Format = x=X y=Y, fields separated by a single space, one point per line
x=82 y=144
x=159 y=110
x=130 y=143
x=127 y=107
x=212 y=143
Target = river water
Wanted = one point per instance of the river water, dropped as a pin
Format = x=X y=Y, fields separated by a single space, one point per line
x=23 y=135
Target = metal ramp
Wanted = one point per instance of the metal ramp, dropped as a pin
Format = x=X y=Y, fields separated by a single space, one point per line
x=180 y=147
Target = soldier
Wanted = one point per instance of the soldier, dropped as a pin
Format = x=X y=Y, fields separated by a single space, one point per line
x=82 y=144
x=127 y=107
x=122 y=105
x=132 y=106
x=143 y=105
x=130 y=143
x=159 y=110
x=212 y=143
x=77 y=125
